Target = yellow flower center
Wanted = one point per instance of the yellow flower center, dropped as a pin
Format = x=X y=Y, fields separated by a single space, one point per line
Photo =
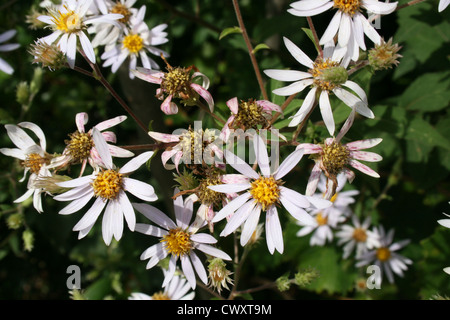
x=323 y=73
x=68 y=22
x=383 y=254
x=207 y=196
x=177 y=82
x=321 y=219
x=34 y=162
x=123 y=10
x=160 y=296
x=250 y=115
x=334 y=157
x=178 y=242
x=133 y=42
x=108 y=184
x=79 y=146
x=348 y=6
x=359 y=235
x=265 y=191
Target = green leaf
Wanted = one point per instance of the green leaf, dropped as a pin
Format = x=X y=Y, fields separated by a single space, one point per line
x=429 y=92
x=99 y=289
x=424 y=133
x=228 y=31
x=311 y=37
x=260 y=46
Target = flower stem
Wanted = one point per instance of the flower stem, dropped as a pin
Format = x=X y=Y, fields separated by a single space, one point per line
x=316 y=38
x=99 y=76
x=283 y=106
x=250 y=49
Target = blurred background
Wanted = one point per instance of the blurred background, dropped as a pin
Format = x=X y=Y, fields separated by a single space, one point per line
x=411 y=104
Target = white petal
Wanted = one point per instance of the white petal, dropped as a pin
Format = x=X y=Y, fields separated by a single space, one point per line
x=327 y=113
x=240 y=165
x=231 y=207
x=274 y=236
x=230 y=187
x=203 y=238
x=136 y=162
x=102 y=148
x=262 y=157
x=238 y=218
x=188 y=271
x=91 y=215
x=155 y=215
x=250 y=225
x=332 y=28
x=87 y=47
x=287 y=75
x=140 y=189
x=198 y=266
x=306 y=107
x=127 y=210
x=298 y=54
x=293 y=88
x=288 y=164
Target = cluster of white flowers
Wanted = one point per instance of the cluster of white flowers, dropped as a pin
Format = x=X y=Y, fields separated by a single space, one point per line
x=239 y=198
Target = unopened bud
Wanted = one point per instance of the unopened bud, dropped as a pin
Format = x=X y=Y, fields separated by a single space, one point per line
x=283 y=283
x=49 y=183
x=219 y=274
x=15 y=221
x=304 y=278
x=28 y=239
x=49 y=55
x=23 y=93
x=335 y=75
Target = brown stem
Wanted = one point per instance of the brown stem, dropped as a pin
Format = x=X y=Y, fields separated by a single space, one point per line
x=250 y=49
x=99 y=76
x=316 y=38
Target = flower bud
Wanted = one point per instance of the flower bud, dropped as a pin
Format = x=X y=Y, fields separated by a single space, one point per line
x=28 y=239
x=48 y=55
x=384 y=55
x=15 y=221
x=218 y=274
x=335 y=75
x=23 y=93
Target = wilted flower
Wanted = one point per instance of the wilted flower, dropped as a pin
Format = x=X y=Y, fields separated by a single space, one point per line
x=248 y=115
x=191 y=147
x=80 y=148
x=177 y=83
x=218 y=274
x=332 y=157
x=48 y=55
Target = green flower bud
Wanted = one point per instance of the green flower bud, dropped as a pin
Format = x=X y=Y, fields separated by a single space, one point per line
x=28 y=239
x=23 y=93
x=15 y=221
x=336 y=75
x=384 y=55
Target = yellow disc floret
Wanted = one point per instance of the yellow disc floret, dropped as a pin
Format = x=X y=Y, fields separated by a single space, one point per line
x=79 y=146
x=177 y=242
x=265 y=191
x=133 y=42
x=160 y=296
x=334 y=157
x=321 y=219
x=108 y=184
x=34 y=162
x=348 y=6
x=123 y=10
x=359 y=235
x=383 y=254
x=68 y=22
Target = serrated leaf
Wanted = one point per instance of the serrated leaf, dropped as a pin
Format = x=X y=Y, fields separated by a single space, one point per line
x=228 y=31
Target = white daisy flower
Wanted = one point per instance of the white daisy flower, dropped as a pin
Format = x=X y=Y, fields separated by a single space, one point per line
x=134 y=43
x=109 y=187
x=80 y=148
x=264 y=192
x=69 y=23
x=341 y=199
x=443 y=4
x=5 y=36
x=177 y=289
x=178 y=239
x=348 y=23
x=33 y=156
x=326 y=75
x=106 y=33
x=386 y=257
x=357 y=236
x=325 y=221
